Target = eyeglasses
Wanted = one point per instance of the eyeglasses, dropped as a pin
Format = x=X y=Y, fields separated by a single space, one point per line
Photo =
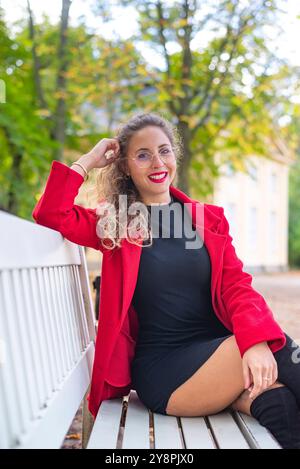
x=145 y=158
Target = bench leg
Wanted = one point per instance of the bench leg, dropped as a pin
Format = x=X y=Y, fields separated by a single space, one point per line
x=87 y=422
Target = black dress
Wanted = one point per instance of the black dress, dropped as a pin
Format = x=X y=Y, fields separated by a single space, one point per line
x=178 y=328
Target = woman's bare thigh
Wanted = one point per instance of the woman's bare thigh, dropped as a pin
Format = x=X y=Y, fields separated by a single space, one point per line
x=214 y=386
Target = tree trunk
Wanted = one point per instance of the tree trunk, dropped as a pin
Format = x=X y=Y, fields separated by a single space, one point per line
x=12 y=205
x=36 y=62
x=60 y=112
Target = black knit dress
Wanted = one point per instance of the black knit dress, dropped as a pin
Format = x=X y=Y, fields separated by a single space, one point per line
x=178 y=328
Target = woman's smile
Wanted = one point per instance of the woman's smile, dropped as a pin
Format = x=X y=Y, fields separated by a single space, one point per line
x=158 y=177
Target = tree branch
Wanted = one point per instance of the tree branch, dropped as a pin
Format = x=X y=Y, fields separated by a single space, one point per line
x=163 y=42
x=36 y=61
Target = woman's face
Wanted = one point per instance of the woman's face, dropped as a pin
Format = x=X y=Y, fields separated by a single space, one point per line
x=151 y=140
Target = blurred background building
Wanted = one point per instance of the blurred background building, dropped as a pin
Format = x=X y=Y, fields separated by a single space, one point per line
x=256 y=206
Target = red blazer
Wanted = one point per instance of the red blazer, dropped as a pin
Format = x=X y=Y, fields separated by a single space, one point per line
x=237 y=305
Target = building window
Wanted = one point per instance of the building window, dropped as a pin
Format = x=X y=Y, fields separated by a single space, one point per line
x=273 y=232
x=252 y=228
x=230 y=214
x=273 y=183
x=253 y=173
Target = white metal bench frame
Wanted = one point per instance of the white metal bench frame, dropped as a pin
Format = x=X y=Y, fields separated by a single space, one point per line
x=47 y=337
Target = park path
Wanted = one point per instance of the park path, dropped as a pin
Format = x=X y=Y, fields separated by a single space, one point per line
x=282 y=293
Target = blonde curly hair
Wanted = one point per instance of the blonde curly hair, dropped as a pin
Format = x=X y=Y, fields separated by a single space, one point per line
x=112 y=181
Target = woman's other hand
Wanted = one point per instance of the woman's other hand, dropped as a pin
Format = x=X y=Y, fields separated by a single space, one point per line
x=259 y=369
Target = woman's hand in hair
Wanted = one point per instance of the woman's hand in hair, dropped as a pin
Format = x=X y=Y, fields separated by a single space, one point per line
x=105 y=152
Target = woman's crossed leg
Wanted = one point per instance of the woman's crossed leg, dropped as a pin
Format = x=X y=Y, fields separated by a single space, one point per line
x=214 y=386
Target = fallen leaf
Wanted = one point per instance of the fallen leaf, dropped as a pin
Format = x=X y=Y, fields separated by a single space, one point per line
x=73 y=436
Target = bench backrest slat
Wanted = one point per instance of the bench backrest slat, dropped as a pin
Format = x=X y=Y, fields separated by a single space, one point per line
x=49 y=430
x=47 y=333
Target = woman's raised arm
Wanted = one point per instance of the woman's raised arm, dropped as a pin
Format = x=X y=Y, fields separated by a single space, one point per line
x=56 y=208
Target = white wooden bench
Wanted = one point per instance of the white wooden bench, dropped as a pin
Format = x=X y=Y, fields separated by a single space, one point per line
x=47 y=335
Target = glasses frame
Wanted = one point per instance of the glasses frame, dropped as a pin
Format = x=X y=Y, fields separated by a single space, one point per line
x=134 y=158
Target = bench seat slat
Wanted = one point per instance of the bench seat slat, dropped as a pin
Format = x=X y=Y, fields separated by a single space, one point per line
x=196 y=434
x=137 y=431
x=259 y=437
x=226 y=431
x=106 y=427
x=166 y=432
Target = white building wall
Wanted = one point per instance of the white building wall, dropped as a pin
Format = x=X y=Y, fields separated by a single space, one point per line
x=256 y=206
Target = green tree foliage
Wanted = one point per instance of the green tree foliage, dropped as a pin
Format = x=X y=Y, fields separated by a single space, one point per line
x=294 y=214
x=214 y=94
x=293 y=132
x=223 y=96
x=98 y=72
x=24 y=141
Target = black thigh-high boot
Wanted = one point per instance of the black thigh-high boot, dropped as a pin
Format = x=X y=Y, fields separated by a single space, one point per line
x=288 y=365
x=277 y=410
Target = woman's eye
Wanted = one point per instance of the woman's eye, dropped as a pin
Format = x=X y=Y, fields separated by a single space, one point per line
x=143 y=156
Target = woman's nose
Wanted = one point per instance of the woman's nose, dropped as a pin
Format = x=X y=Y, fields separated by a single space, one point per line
x=157 y=161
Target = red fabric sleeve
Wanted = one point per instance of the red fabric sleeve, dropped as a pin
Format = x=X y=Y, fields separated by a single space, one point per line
x=56 y=208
